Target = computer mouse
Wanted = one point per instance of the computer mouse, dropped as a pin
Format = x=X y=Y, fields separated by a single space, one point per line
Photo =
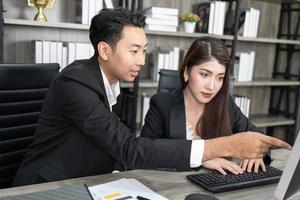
x=198 y=196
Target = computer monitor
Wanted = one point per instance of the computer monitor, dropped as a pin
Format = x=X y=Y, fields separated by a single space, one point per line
x=289 y=184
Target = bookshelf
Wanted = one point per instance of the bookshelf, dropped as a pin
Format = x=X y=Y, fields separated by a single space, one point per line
x=62 y=25
x=20 y=30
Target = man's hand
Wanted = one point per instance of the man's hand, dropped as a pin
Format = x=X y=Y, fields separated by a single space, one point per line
x=244 y=145
x=221 y=164
x=252 y=145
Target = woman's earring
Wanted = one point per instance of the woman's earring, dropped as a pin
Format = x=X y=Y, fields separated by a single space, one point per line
x=185 y=79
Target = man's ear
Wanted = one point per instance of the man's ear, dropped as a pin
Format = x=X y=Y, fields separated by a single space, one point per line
x=104 y=50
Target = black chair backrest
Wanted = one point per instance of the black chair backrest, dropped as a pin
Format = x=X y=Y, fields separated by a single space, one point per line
x=22 y=90
x=168 y=80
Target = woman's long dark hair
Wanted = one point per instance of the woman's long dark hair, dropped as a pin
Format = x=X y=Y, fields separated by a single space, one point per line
x=214 y=121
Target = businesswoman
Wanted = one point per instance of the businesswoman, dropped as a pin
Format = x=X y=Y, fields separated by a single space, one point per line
x=202 y=107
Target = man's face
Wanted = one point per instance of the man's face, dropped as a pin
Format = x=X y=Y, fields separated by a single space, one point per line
x=129 y=56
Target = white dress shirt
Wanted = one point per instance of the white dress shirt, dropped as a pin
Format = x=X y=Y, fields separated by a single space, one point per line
x=197 y=150
x=112 y=91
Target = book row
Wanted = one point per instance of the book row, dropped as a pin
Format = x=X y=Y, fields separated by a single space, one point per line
x=62 y=53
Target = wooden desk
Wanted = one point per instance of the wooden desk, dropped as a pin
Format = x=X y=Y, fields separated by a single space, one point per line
x=172 y=185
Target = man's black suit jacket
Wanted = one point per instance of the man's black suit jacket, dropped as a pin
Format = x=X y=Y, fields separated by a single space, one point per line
x=77 y=135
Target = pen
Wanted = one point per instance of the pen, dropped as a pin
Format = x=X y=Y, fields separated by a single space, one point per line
x=87 y=188
x=142 y=198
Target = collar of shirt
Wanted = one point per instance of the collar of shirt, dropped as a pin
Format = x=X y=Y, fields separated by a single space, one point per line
x=112 y=91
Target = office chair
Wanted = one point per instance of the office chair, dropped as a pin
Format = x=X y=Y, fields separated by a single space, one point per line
x=168 y=79
x=22 y=90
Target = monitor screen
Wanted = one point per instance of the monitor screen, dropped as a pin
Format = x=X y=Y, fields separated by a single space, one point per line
x=289 y=184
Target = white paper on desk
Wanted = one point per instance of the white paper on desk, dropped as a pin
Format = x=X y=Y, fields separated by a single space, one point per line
x=123 y=188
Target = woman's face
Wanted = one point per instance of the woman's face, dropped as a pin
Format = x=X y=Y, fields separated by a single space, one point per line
x=205 y=80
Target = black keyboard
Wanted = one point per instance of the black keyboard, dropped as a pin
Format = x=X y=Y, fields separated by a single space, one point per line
x=216 y=182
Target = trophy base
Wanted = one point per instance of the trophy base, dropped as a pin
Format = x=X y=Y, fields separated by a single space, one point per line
x=40 y=18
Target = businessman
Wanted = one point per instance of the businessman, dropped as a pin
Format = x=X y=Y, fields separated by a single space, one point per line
x=79 y=135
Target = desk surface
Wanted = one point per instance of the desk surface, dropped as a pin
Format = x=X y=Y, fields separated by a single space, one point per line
x=172 y=185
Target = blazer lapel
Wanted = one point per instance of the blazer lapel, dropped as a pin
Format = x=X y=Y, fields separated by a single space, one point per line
x=177 y=115
x=95 y=69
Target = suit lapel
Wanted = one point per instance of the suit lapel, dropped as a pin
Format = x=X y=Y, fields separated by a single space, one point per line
x=177 y=115
x=95 y=69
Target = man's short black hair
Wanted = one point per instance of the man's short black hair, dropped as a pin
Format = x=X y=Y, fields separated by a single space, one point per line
x=108 y=25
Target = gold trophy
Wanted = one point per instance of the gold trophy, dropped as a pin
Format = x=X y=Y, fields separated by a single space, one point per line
x=40 y=5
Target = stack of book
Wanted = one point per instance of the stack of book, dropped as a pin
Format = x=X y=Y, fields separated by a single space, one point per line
x=164 y=60
x=243 y=103
x=161 y=19
x=62 y=53
x=250 y=28
x=216 y=17
x=244 y=66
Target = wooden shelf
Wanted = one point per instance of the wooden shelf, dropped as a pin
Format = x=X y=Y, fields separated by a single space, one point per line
x=264 y=120
x=265 y=82
x=268 y=40
x=61 y=25
x=188 y=35
x=225 y=37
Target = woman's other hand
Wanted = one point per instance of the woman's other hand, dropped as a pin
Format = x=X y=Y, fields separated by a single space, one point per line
x=248 y=165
